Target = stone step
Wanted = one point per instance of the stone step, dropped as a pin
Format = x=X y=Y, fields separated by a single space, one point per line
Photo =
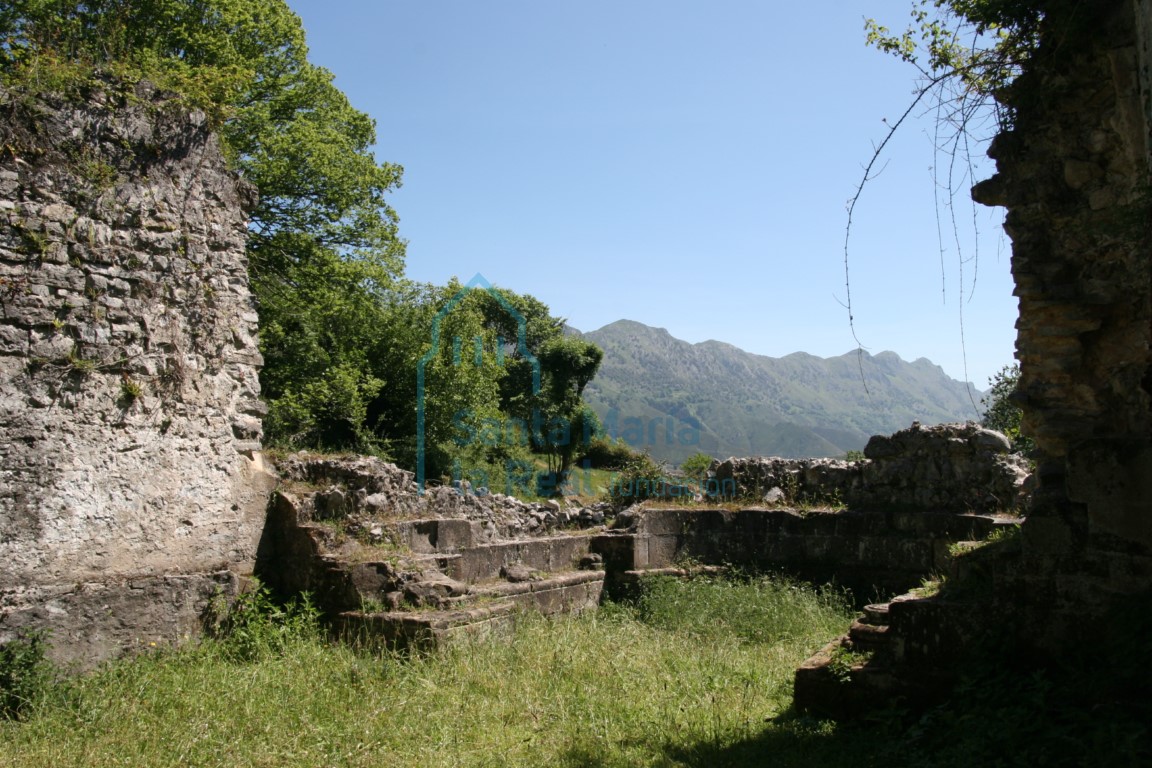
x=425 y=630
x=570 y=592
x=876 y=613
x=873 y=638
x=547 y=554
x=486 y=610
x=823 y=687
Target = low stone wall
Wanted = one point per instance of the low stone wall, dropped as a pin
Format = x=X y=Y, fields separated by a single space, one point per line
x=943 y=468
x=870 y=552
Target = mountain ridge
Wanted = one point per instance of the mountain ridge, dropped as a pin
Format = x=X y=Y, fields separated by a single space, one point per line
x=675 y=398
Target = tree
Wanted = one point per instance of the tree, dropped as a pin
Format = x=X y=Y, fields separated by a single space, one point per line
x=567 y=365
x=966 y=51
x=1001 y=413
x=342 y=333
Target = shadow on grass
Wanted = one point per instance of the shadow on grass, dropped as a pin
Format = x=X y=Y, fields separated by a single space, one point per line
x=789 y=741
x=1066 y=716
x=792 y=741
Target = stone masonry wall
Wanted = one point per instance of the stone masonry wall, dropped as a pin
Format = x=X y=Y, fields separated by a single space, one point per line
x=1074 y=175
x=942 y=468
x=131 y=483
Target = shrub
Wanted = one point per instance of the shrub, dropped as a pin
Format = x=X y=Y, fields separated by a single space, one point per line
x=640 y=478
x=25 y=674
x=696 y=466
x=254 y=626
x=606 y=453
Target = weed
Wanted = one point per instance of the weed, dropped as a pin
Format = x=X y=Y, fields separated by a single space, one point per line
x=373 y=605
x=35 y=242
x=25 y=674
x=98 y=173
x=253 y=626
x=929 y=587
x=844 y=660
x=130 y=390
x=80 y=365
x=1002 y=536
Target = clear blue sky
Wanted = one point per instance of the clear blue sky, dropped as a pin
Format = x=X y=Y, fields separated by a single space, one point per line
x=683 y=164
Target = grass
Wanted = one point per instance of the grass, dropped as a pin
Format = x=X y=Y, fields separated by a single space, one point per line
x=695 y=673
x=627 y=685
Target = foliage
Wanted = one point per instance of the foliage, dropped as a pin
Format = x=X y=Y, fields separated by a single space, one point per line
x=567 y=365
x=323 y=246
x=639 y=479
x=25 y=674
x=253 y=626
x=1001 y=412
x=696 y=466
x=979 y=45
x=844 y=659
x=604 y=452
x=328 y=413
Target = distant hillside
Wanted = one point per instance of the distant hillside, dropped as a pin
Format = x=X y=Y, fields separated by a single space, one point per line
x=676 y=398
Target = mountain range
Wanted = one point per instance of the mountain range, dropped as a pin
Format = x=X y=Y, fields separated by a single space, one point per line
x=674 y=398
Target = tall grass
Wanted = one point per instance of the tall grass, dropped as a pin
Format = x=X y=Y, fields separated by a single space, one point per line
x=624 y=686
x=694 y=673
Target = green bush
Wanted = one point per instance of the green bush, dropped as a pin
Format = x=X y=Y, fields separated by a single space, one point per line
x=696 y=466
x=327 y=413
x=254 y=626
x=638 y=479
x=25 y=674
x=606 y=453
x=1001 y=410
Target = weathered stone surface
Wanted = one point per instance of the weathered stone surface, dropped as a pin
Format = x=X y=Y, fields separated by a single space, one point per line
x=127 y=359
x=358 y=488
x=948 y=467
x=1074 y=172
x=868 y=551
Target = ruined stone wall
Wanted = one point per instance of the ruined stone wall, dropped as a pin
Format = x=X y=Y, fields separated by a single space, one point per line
x=874 y=553
x=131 y=484
x=942 y=468
x=1074 y=175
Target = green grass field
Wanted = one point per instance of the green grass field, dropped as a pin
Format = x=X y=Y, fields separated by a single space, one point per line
x=695 y=673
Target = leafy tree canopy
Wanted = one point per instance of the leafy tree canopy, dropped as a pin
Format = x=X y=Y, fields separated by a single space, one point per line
x=1002 y=414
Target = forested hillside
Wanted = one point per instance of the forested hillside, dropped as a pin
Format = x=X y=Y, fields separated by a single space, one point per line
x=740 y=404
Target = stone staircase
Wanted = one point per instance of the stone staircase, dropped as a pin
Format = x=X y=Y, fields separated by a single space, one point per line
x=391 y=567
x=394 y=567
x=891 y=654
x=852 y=672
x=476 y=591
